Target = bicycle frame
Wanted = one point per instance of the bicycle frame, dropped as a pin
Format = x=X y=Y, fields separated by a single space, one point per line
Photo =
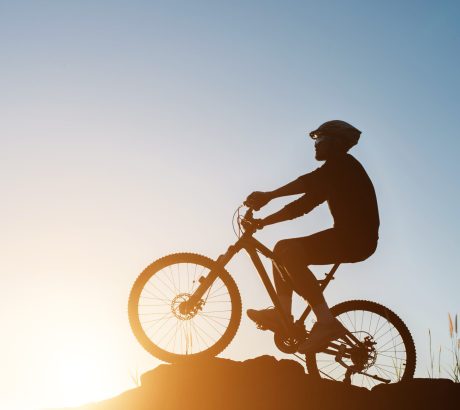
x=252 y=246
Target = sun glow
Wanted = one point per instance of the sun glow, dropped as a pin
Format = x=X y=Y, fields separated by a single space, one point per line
x=78 y=377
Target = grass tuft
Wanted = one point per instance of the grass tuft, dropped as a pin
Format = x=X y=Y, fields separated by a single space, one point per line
x=452 y=370
x=135 y=378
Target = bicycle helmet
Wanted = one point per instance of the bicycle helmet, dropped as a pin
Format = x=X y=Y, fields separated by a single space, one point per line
x=339 y=129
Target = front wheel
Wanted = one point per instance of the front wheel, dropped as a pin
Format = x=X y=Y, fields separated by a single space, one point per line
x=160 y=323
x=386 y=352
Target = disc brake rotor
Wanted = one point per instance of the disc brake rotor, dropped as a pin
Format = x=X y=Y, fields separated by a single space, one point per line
x=364 y=356
x=181 y=313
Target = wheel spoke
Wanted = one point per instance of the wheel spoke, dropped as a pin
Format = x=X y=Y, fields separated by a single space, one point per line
x=171 y=278
x=166 y=285
x=155 y=296
x=195 y=324
x=210 y=324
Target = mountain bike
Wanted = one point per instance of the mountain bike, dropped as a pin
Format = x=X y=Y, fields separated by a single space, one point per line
x=186 y=306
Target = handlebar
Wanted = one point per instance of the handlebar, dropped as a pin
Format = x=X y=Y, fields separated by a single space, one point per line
x=248 y=223
x=245 y=223
x=249 y=214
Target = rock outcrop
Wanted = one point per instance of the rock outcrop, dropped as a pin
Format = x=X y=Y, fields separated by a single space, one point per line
x=266 y=383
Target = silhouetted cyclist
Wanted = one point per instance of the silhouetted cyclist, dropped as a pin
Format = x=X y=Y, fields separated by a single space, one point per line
x=345 y=185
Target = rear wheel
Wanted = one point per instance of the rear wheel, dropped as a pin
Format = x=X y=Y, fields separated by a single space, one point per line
x=160 y=323
x=387 y=353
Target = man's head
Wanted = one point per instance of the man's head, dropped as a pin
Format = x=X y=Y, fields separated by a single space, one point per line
x=334 y=138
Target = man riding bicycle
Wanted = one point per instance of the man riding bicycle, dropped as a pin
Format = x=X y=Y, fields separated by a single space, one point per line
x=345 y=185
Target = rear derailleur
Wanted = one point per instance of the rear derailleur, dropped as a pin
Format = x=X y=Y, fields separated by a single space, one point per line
x=362 y=355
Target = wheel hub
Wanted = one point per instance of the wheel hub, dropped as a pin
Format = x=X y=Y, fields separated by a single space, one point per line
x=364 y=356
x=180 y=308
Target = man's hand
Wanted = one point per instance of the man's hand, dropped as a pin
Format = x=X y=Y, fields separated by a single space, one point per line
x=258 y=199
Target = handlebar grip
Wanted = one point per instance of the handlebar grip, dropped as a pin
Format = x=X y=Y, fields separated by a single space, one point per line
x=251 y=207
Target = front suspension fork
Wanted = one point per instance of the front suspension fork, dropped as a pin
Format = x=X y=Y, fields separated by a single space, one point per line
x=207 y=281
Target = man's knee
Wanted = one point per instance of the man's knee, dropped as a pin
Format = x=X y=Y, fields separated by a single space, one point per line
x=288 y=252
x=280 y=246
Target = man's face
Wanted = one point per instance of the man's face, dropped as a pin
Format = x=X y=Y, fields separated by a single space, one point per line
x=324 y=147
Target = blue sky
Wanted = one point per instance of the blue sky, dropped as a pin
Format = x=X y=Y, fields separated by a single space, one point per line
x=134 y=129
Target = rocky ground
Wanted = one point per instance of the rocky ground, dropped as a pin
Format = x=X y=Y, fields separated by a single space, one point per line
x=266 y=383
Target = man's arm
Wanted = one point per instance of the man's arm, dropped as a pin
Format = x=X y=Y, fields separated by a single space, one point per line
x=310 y=182
x=314 y=183
x=258 y=199
x=293 y=210
x=293 y=188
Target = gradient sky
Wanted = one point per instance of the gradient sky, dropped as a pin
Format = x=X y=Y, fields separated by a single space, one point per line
x=133 y=129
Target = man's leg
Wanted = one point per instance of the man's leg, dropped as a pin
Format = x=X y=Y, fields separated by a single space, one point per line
x=294 y=254
x=270 y=318
x=284 y=290
x=319 y=249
